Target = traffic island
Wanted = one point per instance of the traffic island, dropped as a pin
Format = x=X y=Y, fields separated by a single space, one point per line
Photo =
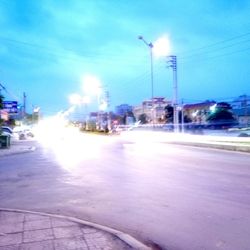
x=20 y=229
x=216 y=142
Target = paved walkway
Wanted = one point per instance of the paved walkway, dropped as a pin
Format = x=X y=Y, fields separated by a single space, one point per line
x=16 y=147
x=23 y=230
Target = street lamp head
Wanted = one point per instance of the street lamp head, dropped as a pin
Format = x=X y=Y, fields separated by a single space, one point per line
x=92 y=85
x=150 y=45
x=162 y=47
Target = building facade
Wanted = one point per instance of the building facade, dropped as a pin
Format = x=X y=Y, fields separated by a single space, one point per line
x=198 y=112
x=241 y=109
x=152 y=108
x=122 y=109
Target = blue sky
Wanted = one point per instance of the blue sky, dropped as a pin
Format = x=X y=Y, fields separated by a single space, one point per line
x=46 y=47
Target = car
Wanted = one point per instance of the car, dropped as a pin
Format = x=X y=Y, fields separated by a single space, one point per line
x=23 y=132
x=6 y=131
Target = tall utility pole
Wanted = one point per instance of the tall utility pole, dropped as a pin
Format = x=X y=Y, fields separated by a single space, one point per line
x=109 y=122
x=1 y=97
x=24 y=104
x=182 y=116
x=173 y=65
x=151 y=46
x=245 y=109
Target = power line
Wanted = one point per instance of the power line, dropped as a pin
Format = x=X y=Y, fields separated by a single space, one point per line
x=216 y=56
x=215 y=44
x=79 y=55
x=9 y=93
x=214 y=50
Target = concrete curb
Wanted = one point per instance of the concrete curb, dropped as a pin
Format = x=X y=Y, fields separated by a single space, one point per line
x=16 y=152
x=229 y=147
x=128 y=239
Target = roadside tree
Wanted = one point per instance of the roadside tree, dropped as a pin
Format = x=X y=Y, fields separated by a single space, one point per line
x=221 y=116
x=169 y=114
x=143 y=118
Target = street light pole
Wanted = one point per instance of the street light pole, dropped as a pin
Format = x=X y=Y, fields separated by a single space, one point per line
x=24 y=105
x=152 y=71
x=173 y=65
x=151 y=46
x=182 y=116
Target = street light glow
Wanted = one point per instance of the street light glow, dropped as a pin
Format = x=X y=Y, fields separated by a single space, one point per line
x=85 y=100
x=75 y=99
x=91 y=85
x=103 y=106
x=161 y=47
x=213 y=108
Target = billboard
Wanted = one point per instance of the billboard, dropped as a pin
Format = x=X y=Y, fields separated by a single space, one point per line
x=4 y=115
x=10 y=106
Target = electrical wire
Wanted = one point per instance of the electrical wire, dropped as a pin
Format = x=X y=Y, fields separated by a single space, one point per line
x=216 y=43
x=9 y=93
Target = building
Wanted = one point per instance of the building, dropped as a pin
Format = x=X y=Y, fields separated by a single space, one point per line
x=198 y=112
x=241 y=102
x=122 y=109
x=242 y=116
x=241 y=109
x=152 y=108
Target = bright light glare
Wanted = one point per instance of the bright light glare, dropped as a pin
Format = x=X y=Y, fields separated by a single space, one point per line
x=194 y=114
x=68 y=144
x=103 y=106
x=148 y=137
x=49 y=129
x=36 y=109
x=86 y=99
x=213 y=107
x=67 y=112
x=161 y=47
x=75 y=99
x=91 y=85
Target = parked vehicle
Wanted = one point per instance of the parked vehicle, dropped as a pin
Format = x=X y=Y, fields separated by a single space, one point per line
x=23 y=132
x=6 y=131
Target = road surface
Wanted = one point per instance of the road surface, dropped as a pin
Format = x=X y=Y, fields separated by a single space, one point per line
x=181 y=198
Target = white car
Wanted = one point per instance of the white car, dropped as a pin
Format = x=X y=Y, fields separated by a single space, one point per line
x=6 y=131
x=23 y=132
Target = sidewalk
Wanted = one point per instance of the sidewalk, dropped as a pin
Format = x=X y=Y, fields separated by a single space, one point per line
x=16 y=147
x=24 y=230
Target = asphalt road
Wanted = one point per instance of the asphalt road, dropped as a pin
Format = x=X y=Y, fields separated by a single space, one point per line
x=181 y=198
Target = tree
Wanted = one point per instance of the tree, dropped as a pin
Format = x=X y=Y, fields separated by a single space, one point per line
x=11 y=122
x=128 y=118
x=223 y=106
x=143 y=118
x=1 y=101
x=186 y=119
x=221 y=115
x=169 y=114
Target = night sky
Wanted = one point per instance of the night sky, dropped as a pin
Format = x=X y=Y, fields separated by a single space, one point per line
x=47 y=47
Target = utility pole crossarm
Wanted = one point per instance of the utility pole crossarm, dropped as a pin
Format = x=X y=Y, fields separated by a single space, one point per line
x=173 y=65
